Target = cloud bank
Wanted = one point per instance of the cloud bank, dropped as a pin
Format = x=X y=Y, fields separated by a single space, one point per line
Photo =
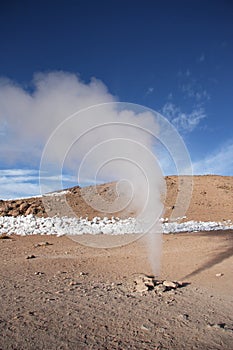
x=29 y=115
x=219 y=162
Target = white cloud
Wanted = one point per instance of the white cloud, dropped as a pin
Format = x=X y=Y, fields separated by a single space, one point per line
x=44 y=129
x=17 y=172
x=219 y=162
x=183 y=121
x=28 y=118
x=191 y=90
x=14 y=188
x=22 y=183
x=149 y=90
x=188 y=122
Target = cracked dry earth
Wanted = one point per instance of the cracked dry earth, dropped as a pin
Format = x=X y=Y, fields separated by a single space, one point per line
x=58 y=294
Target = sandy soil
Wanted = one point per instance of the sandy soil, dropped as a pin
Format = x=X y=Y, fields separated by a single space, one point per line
x=57 y=293
x=70 y=296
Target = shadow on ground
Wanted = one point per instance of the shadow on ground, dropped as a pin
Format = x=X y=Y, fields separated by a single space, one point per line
x=220 y=254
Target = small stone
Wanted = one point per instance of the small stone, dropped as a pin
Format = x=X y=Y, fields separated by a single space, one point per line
x=4 y=236
x=219 y=274
x=220 y=325
x=217 y=326
x=141 y=287
x=170 y=284
x=14 y=212
x=160 y=289
x=157 y=282
x=73 y=283
x=23 y=207
x=180 y=284
x=42 y=244
x=148 y=282
x=30 y=257
x=183 y=317
x=83 y=273
x=145 y=328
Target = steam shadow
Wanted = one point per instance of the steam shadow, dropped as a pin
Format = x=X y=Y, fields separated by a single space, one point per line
x=219 y=256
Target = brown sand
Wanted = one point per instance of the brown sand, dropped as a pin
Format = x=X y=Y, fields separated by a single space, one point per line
x=75 y=297
x=70 y=296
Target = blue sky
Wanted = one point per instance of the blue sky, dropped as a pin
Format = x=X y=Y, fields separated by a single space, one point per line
x=174 y=57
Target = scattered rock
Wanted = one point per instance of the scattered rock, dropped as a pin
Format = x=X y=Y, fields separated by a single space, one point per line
x=14 y=212
x=143 y=283
x=220 y=325
x=73 y=283
x=4 y=236
x=23 y=207
x=31 y=257
x=145 y=327
x=83 y=273
x=170 y=284
x=160 y=288
x=149 y=282
x=219 y=274
x=141 y=287
x=42 y=244
x=181 y=284
x=183 y=317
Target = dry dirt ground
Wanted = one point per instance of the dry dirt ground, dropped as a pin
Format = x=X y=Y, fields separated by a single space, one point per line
x=56 y=293
x=64 y=295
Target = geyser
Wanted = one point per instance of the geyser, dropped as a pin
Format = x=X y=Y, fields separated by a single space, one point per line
x=122 y=143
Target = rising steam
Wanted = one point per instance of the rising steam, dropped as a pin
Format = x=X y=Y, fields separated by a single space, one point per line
x=78 y=129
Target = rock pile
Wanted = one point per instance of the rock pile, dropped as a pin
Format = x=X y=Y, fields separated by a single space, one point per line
x=25 y=207
x=143 y=283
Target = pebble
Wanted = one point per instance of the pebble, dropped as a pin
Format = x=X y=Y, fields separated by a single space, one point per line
x=31 y=257
x=183 y=317
x=220 y=325
x=4 y=236
x=145 y=328
x=83 y=273
x=73 y=283
x=219 y=274
x=42 y=244
x=170 y=284
x=141 y=288
x=145 y=283
x=160 y=289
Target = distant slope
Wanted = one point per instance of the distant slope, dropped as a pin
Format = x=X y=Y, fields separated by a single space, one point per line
x=212 y=200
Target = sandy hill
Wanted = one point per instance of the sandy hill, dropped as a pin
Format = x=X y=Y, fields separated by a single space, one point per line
x=211 y=200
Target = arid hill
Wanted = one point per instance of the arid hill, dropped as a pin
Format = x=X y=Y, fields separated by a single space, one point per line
x=211 y=200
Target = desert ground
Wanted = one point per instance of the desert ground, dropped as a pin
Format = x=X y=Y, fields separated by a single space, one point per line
x=57 y=293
